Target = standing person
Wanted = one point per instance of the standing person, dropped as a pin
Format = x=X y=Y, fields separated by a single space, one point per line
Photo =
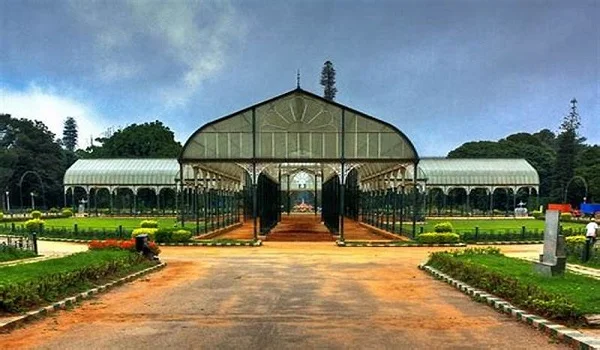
x=591 y=229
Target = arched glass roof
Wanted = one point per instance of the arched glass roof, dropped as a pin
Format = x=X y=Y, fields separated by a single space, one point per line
x=122 y=172
x=475 y=172
x=298 y=127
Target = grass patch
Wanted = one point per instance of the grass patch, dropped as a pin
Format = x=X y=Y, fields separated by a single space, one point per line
x=566 y=297
x=502 y=225
x=8 y=253
x=29 y=285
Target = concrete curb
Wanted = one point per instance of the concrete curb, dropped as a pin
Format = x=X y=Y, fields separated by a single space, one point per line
x=506 y=242
x=374 y=244
x=185 y=244
x=213 y=244
x=565 y=334
x=62 y=304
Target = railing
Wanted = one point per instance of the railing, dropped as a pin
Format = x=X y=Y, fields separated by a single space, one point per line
x=19 y=241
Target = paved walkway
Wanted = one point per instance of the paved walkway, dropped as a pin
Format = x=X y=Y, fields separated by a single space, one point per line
x=283 y=296
x=304 y=228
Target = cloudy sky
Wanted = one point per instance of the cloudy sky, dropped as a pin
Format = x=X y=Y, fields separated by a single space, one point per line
x=444 y=72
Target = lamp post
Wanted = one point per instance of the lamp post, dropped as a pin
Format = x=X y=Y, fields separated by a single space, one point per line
x=32 y=200
x=7 y=201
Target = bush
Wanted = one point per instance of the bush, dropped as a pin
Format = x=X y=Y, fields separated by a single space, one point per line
x=1 y=215
x=565 y=216
x=163 y=236
x=523 y=294
x=34 y=225
x=46 y=281
x=121 y=245
x=181 y=236
x=105 y=211
x=443 y=227
x=53 y=210
x=149 y=224
x=151 y=232
x=67 y=212
x=36 y=214
x=430 y=238
x=537 y=214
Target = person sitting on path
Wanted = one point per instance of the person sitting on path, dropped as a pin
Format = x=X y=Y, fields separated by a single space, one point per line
x=591 y=229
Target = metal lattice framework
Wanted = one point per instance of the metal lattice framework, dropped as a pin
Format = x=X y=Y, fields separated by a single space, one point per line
x=296 y=132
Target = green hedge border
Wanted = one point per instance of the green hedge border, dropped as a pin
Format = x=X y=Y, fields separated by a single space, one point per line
x=70 y=302
x=179 y=244
x=565 y=334
x=387 y=244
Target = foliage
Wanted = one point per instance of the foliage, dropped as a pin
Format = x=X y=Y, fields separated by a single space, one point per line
x=568 y=143
x=34 y=225
x=112 y=244
x=8 y=253
x=27 y=145
x=169 y=235
x=36 y=214
x=443 y=227
x=149 y=224
x=148 y=140
x=537 y=214
x=1 y=215
x=67 y=213
x=565 y=216
x=434 y=237
x=69 y=139
x=53 y=210
x=181 y=236
x=328 y=81
x=151 y=232
x=28 y=285
x=566 y=298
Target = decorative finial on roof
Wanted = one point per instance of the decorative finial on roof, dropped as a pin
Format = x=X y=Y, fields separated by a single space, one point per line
x=298 y=79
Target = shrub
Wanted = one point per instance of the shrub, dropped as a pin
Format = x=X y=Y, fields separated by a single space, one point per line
x=163 y=236
x=53 y=210
x=433 y=237
x=34 y=225
x=181 y=236
x=36 y=214
x=113 y=244
x=565 y=216
x=523 y=294
x=537 y=214
x=67 y=212
x=149 y=224
x=1 y=215
x=443 y=227
x=151 y=232
x=105 y=211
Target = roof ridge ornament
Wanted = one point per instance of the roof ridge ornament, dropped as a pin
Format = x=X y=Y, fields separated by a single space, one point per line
x=298 y=79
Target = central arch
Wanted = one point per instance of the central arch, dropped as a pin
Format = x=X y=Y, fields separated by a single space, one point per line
x=260 y=147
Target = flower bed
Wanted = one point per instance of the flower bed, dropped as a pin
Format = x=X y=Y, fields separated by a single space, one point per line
x=29 y=285
x=565 y=298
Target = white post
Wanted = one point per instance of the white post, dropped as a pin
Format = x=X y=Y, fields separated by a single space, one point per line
x=7 y=201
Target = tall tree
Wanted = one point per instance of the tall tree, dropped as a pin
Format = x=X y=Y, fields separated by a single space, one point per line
x=70 y=134
x=568 y=143
x=328 y=81
x=148 y=140
x=30 y=149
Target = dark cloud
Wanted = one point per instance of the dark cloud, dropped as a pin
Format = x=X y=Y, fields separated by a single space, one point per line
x=444 y=72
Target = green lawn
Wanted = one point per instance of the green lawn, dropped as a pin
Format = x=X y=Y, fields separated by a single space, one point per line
x=108 y=223
x=497 y=225
x=583 y=292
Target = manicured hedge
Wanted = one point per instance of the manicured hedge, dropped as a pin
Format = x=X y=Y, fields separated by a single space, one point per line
x=151 y=232
x=28 y=285
x=172 y=236
x=433 y=237
x=443 y=227
x=8 y=253
x=565 y=298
